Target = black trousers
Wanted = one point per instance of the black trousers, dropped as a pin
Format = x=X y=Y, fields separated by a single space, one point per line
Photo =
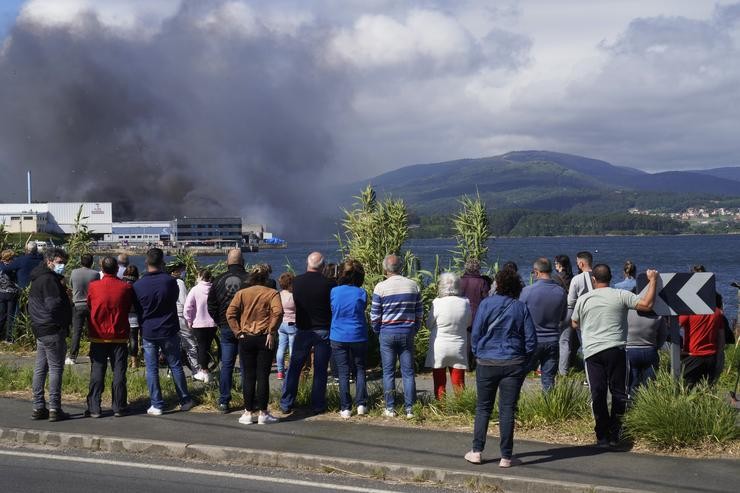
x=696 y=368
x=100 y=354
x=203 y=339
x=256 y=359
x=607 y=371
x=79 y=320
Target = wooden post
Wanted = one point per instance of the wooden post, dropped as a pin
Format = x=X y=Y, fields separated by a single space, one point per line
x=675 y=333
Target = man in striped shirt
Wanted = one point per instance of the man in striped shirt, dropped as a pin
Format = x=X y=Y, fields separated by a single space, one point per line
x=396 y=316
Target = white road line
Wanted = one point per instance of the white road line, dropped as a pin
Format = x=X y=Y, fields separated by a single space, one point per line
x=186 y=470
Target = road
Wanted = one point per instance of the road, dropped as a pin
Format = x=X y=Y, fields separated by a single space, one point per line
x=27 y=470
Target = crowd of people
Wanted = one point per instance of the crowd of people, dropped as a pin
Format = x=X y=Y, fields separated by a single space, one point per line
x=501 y=328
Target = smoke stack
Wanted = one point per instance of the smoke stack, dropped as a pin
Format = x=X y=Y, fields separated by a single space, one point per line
x=29 y=186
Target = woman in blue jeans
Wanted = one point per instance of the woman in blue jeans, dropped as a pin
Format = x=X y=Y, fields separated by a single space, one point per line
x=348 y=335
x=286 y=332
x=503 y=340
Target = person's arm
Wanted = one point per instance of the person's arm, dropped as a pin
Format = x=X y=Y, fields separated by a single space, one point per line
x=646 y=302
x=575 y=316
x=213 y=304
x=530 y=333
x=479 y=327
x=419 y=316
x=189 y=309
x=276 y=317
x=376 y=312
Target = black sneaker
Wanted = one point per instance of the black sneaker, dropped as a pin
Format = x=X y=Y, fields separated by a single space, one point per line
x=42 y=413
x=119 y=414
x=187 y=405
x=89 y=414
x=223 y=408
x=57 y=415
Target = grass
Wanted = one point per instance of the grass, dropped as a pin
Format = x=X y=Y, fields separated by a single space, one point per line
x=568 y=400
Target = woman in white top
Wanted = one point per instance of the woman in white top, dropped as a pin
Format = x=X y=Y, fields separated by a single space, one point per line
x=448 y=322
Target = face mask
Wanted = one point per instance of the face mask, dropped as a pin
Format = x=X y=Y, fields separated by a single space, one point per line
x=59 y=269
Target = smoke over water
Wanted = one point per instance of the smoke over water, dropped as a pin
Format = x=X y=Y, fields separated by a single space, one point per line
x=215 y=113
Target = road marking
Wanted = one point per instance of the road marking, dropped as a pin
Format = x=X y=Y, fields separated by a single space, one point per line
x=187 y=470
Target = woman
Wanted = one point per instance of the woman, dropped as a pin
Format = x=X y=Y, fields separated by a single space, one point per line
x=629 y=283
x=131 y=275
x=503 y=340
x=286 y=333
x=448 y=322
x=254 y=316
x=200 y=322
x=645 y=334
x=9 y=292
x=348 y=335
x=564 y=270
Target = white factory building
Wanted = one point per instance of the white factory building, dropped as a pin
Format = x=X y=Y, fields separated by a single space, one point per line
x=56 y=217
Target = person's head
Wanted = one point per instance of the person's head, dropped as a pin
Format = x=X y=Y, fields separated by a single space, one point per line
x=32 y=247
x=6 y=256
x=392 y=265
x=131 y=271
x=154 y=259
x=176 y=269
x=285 y=281
x=86 y=260
x=542 y=268
x=508 y=283
x=698 y=268
x=510 y=265
x=584 y=260
x=562 y=264
x=56 y=259
x=205 y=275
x=448 y=285
x=331 y=271
x=351 y=272
x=630 y=269
x=315 y=262
x=235 y=257
x=472 y=266
x=109 y=265
x=123 y=259
x=602 y=274
x=259 y=275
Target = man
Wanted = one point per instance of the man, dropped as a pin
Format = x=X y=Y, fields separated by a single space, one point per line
x=313 y=320
x=109 y=301
x=703 y=335
x=122 y=264
x=601 y=316
x=80 y=279
x=579 y=285
x=187 y=339
x=156 y=306
x=51 y=313
x=219 y=298
x=396 y=315
x=24 y=264
x=548 y=305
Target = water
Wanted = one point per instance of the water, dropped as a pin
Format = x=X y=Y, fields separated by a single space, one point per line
x=719 y=254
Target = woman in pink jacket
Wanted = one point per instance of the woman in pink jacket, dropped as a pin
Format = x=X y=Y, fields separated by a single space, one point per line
x=198 y=319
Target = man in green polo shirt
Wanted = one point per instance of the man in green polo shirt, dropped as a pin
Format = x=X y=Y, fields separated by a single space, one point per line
x=601 y=315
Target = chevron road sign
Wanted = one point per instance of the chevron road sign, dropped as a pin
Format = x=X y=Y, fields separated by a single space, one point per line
x=682 y=293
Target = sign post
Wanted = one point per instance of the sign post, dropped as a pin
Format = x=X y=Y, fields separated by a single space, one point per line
x=681 y=294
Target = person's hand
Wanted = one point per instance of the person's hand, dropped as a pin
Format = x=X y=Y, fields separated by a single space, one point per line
x=652 y=274
x=270 y=344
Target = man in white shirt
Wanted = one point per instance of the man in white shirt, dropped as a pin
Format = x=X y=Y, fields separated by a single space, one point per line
x=579 y=285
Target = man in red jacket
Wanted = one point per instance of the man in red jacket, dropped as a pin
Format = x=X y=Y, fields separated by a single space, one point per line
x=110 y=301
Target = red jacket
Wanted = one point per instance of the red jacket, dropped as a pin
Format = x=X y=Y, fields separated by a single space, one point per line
x=700 y=333
x=110 y=301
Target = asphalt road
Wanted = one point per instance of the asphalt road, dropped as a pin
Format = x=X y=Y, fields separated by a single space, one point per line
x=28 y=470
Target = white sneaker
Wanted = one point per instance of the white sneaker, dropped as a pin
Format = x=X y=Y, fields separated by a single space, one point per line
x=346 y=414
x=409 y=415
x=154 y=411
x=390 y=413
x=246 y=418
x=266 y=419
x=361 y=410
x=69 y=361
x=206 y=377
x=200 y=375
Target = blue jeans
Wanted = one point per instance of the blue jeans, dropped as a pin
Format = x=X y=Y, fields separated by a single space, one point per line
x=547 y=357
x=304 y=341
x=170 y=347
x=398 y=346
x=344 y=354
x=286 y=336
x=229 y=350
x=489 y=379
x=643 y=365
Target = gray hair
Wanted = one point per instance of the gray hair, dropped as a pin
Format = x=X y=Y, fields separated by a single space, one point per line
x=449 y=285
x=315 y=261
x=32 y=247
x=472 y=266
x=543 y=264
x=392 y=264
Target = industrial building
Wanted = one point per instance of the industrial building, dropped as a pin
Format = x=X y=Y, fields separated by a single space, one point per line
x=56 y=217
x=140 y=232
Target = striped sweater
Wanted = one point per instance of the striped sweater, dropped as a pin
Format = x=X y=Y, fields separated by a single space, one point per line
x=396 y=306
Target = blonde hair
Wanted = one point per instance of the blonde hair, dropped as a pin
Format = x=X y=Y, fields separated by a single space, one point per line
x=7 y=255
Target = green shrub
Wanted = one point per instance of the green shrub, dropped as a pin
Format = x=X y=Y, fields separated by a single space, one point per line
x=567 y=400
x=667 y=415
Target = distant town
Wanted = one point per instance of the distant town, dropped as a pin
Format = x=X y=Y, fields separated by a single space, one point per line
x=696 y=215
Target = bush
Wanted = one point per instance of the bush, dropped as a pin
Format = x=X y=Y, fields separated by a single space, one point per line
x=667 y=415
x=567 y=400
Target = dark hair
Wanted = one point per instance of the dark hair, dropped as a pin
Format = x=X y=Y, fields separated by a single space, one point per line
x=331 y=271
x=510 y=265
x=352 y=273
x=176 y=267
x=508 y=283
x=286 y=281
x=602 y=273
x=584 y=255
x=258 y=275
x=698 y=268
x=109 y=265
x=564 y=262
x=131 y=271
x=205 y=275
x=86 y=260
x=630 y=268
x=488 y=281
x=154 y=257
x=55 y=252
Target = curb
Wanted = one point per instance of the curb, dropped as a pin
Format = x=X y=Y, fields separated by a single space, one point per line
x=266 y=458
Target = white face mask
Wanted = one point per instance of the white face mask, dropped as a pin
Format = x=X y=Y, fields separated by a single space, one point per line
x=59 y=269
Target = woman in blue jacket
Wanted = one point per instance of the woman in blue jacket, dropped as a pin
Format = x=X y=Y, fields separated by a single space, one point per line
x=503 y=340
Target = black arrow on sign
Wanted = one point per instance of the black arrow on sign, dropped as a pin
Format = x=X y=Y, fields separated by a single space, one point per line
x=669 y=293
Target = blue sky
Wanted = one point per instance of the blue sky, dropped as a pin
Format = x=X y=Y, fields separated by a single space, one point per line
x=8 y=11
